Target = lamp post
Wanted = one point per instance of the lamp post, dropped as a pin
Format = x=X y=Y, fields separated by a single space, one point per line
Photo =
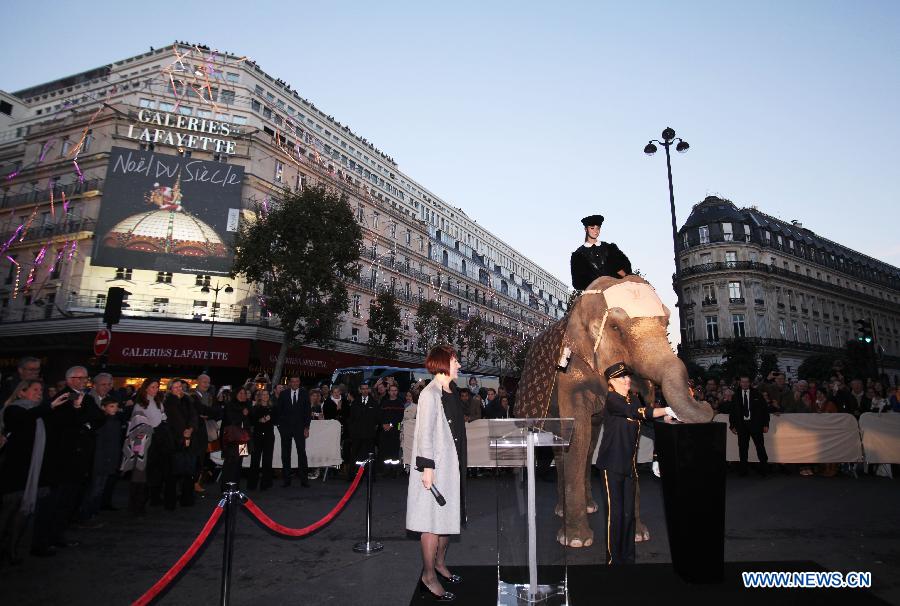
x=212 y=327
x=669 y=138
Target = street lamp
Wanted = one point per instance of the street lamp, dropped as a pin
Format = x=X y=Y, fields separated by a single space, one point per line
x=212 y=327
x=668 y=136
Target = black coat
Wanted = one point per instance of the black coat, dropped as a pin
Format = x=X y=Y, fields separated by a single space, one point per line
x=759 y=411
x=330 y=410
x=621 y=434
x=363 y=418
x=262 y=430
x=181 y=413
x=591 y=262
x=108 y=453
x=69 y=456
x=292 y=418
x=19 y=423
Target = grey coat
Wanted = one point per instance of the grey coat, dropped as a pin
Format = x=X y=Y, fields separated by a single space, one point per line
x=434 y=441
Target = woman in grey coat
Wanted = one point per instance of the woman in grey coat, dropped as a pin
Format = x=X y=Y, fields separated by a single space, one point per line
x=438 y=460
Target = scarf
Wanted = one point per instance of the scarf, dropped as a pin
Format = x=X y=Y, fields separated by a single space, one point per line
x=29 y=498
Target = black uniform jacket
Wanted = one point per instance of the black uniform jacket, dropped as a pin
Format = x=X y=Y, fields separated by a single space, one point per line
x=590 y=262
x=759 y=412
x=621 y=432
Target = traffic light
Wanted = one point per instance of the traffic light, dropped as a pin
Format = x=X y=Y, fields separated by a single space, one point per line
x=864 y=331
x=115 y=301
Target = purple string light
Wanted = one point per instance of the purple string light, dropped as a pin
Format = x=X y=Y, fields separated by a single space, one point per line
x=78 y=170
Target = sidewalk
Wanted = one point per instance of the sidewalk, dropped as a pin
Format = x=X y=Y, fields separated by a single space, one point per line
x=841 y=523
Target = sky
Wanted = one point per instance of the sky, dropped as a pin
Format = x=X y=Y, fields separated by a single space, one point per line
x=531 y=115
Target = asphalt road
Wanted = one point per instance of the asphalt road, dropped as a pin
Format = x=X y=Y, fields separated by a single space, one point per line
x=842 y=523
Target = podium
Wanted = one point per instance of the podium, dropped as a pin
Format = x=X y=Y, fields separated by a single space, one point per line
x=692 y=468
x=531 y=564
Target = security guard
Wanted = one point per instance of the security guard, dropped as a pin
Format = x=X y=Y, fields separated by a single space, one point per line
x=617 y=459
x=594 y=259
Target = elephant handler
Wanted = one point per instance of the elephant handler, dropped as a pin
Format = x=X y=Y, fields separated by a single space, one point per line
x=617 y=459
x=594 y=258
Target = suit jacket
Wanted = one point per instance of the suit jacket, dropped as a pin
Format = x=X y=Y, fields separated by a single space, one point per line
x=759 y=411
x=622 y=433
x=293 y=418
x=591 y=262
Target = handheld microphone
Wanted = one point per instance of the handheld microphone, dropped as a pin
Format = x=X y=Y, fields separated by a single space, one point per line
x=438 y=496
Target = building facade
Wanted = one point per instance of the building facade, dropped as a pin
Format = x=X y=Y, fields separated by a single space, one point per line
x=171 y=130
x=746 y=274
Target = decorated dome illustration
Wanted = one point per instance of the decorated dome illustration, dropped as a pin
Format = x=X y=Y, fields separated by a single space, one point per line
x=168 y=229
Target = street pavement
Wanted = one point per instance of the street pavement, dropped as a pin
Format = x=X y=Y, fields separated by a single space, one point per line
x=842 y=523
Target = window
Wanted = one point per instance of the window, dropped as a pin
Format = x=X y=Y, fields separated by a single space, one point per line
x=781 y=329
x=704 y=234
x=709 y=294
x=279 y=169
x=123 y=273
x=254 y=105
x=232 y=77
x=147 y=103
x=712 y=328
x=794 y=332
x=65 y=147
x=100 y=302
x=164 y=277
x=227 y=97
x=239 y=119
x=780 y=242
x=768 y=237
x=356 y=306
x=730 y=258
x=818 y=335
x=828 y=336
x=727 y=233
x=408 y=236
x=706 y=259
x=166 y=107
x=202 y=280
x=761 y=327
x=88 y=139
x=737 y=326
x=184 y=110
x=734 y=292
x=685 y=240
x=354 y=335
x=375 y=220
x=689 y=330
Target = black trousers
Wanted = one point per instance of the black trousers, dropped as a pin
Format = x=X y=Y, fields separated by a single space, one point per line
x=745 y=433
x=619 y=490
x=263 y=451
x=300 y=440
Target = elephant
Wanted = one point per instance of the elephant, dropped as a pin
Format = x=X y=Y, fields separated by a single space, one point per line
x=614 y=319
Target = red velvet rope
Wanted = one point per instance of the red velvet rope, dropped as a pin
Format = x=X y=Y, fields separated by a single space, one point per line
x=183 y=561
x=274 y=526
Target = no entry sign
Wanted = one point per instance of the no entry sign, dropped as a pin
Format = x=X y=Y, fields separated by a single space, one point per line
x=102 y=341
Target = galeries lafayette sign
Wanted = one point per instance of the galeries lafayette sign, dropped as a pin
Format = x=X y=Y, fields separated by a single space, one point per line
x=156 y=128
x=178 y=350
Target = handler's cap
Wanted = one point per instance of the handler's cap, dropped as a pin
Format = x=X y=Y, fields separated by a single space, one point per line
x=619 y=369
x=592 y=220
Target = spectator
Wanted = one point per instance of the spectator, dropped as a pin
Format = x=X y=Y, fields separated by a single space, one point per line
x=894 y=400
x=389 y=438
x=362 y=424
x=261 y=420
x=408 y=399
x=145 y=418
x=107 y=457
x=878 y=403
x=498 y=409
x=825 y=404
x=490 y=394
x=471 y=407
x=235 y=420
x=334 y=406
x=28 y=369
x=726 y=404
x=860 y=402
x=315 y=404
x=292 y=414
x=102 y=386
x=749 y=419
x=841 y=396
x=473 y=386
x=183 y=424
x=21 y=468
x=208 y=412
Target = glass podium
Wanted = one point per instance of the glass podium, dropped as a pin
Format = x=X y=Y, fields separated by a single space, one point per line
x=531 y=563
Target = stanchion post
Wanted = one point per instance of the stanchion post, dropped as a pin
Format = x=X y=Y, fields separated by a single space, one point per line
x=368 y=546
x=231 y=503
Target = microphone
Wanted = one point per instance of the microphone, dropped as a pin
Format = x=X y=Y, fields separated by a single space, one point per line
x=438 y=496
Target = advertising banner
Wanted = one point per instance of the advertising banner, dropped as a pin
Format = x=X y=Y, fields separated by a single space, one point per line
x=168 y=213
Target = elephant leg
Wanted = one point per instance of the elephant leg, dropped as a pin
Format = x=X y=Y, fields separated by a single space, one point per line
x=575 y=531
x=590 y=504
x=641 y=532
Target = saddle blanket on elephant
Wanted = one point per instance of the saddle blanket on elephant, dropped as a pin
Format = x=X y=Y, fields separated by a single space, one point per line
x=539 y=376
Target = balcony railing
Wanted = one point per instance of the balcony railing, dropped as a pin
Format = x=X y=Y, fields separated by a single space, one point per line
x=731 y=266
x=736 y=300
x=43 y=195
x=49 y=230
x=708 y=302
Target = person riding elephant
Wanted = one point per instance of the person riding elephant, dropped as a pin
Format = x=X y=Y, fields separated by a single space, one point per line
x=594 y=259
x=614 y=320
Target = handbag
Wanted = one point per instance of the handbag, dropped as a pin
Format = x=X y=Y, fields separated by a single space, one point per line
x=234 y=434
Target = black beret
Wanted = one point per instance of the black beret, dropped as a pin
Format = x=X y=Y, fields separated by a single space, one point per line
x=619 y=369
x=592 y=220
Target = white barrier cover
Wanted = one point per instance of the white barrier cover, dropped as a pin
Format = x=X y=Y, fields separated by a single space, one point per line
x=881 y=436
x=804 y=438
x=323 y=446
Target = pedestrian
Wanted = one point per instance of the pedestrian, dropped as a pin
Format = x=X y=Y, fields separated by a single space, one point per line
x=235 y=436
x=145 y=418
x=389 y=437
x=438 y=463
x=183 y=424
x=293 y=417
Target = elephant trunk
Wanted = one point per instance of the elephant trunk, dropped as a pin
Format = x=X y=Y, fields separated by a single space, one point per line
x=671 y=375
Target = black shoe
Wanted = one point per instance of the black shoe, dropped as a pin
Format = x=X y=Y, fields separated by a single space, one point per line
x=453 y=578
x=425 y=592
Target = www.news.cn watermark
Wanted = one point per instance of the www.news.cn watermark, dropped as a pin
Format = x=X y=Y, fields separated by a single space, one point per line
x=807 y=580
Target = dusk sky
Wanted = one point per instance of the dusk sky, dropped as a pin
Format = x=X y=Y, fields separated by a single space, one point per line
x=530 y=115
